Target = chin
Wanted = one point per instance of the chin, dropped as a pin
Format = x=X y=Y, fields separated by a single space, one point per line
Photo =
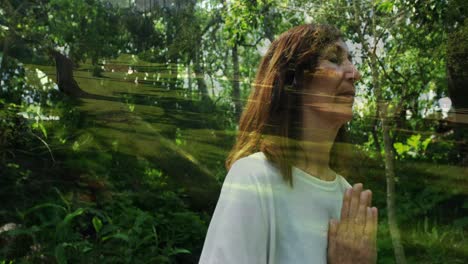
x=342 y=114
x=337 y=113
x=344 y=117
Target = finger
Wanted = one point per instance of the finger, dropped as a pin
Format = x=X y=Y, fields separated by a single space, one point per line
x=361 y=214
x=375 y=222
x=368 y=229
x=345 y=208
x=353 y=226
x=369 y=199
x=332 y=231
x=374 y=231
x=353 y=208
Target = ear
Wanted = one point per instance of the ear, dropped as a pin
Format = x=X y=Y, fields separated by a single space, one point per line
x=276 y=94
x=298 y=78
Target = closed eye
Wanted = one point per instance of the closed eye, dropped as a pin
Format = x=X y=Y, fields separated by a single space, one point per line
x=334 y=60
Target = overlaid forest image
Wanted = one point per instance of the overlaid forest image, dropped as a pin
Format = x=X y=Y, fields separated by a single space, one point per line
x=117 y=118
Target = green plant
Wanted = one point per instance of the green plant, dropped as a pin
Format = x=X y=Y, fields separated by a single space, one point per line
x=438 y=244
x=414 y=146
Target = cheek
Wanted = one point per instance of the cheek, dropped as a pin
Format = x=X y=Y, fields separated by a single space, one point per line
x=323 y=85
x=332 y=76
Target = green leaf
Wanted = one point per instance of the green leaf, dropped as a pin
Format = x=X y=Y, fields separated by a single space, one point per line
x=118 y=236
x=44 y=205
x=385 y=6
x=71 y=216
x=62 y=229
x=76 y=146
x=400 y=148
x=97 y=223
x=40 y=127
x=60 y=254
x=179 y=251
x=426 y=142
x=414 y=140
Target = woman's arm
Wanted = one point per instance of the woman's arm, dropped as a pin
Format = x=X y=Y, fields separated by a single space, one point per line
x=238 y=231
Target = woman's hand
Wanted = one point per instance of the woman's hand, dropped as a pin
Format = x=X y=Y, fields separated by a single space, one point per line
x=353 y=238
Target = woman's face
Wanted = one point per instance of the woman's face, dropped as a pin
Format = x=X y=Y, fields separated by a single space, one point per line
x=330 y=90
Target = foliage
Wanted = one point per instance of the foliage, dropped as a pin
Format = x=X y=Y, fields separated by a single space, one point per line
x=113 y=232
x=60 y=221
x=75 y=197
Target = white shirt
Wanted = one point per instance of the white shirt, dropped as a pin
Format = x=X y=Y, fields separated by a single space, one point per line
x=259 y=219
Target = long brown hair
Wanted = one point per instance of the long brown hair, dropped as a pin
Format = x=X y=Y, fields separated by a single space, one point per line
x=271 y=120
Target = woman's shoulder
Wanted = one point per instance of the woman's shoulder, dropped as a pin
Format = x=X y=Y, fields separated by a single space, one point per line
x=254 y=160
x=256 y=165
x=248 y=178
x=251 y=164
x=344 y=183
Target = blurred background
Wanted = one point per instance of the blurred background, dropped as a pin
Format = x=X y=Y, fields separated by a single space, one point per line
x=116 y=118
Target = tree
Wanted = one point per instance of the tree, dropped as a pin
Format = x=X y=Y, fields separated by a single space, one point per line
x=246 y=24
x=68 y=31
x=457 y=51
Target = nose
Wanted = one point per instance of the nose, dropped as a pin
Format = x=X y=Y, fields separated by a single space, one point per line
x=352 y=73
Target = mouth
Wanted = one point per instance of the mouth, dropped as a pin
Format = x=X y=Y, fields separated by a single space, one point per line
x=349 y=91
x=346 y=97
x=347 y=94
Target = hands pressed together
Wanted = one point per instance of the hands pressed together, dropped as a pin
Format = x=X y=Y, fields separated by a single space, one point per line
x=352 y=239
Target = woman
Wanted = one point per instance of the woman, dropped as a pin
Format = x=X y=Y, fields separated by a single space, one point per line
x=280 y=201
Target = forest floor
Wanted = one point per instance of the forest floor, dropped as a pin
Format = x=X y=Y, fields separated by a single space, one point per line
x=137 y=113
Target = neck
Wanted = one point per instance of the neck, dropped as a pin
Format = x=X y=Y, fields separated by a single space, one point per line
x=317 y=139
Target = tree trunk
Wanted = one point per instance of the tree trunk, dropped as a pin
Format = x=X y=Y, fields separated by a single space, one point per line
x=457 y=78
x=389 y=156
x=235 y=82
x=389 y=160
x=174 y=72
x=375 y=136
x=460 y=121
x=390 y=179
x=65 y=80
x=6 y=46
x=200 y=77
x=189 y=78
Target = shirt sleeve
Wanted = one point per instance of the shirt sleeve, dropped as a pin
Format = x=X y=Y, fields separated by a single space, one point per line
x=346 y=184
x=238 y=231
